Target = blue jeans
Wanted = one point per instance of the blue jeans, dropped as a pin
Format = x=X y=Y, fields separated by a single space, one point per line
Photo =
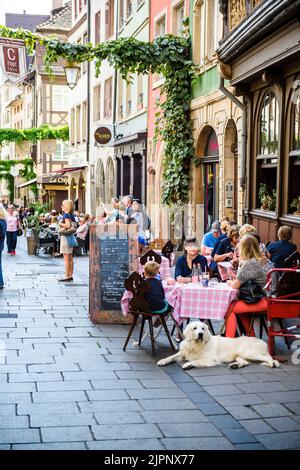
x=1 y=275
x=11 y=239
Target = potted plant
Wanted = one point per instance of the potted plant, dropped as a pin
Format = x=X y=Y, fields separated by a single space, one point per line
x=31 y=223
x=263 y=195
x=296 y=204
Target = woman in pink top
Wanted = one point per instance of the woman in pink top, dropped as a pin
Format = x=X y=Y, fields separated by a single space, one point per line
x=12 y=230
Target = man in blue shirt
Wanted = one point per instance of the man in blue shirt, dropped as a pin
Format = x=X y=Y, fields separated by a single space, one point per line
x=210 y=238
x=282 y=249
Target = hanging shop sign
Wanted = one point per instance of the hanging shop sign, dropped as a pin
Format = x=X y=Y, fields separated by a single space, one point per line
x=13 y=58
x=103 y=135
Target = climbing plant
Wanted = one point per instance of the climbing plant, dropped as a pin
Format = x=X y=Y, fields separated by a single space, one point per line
x=34 y=134
x=26 y=172
x=167 y=55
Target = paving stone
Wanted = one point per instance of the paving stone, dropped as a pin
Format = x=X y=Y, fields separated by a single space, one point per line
x=211 y=409
x=155 y=393
x=259 y=387
x=7 y=410
x=271 y=410
x=190 y=387
x=32 y=359
x=284 y=424
x=38 y=368
x=126 y=431
x=119 y=417
x=8 y=369
x=17 y=436
x=179 y=416
x=294 y=407
x=102 y=395
x=249 y=447
x=238 y=436
x=293 y=384
x=129 y=444
x=257 y=426
x=97 y=365
x=189 y=430
x=53 y=397
x=46 y=408
x=35 y=377
x=224 y=421
x=168 y=404
x=14 y=422
x=66 y=385
x=243 y=399
x=114 y=405
x=3 y=447
x=17 y=387
x=281 y=397
x=200 y=397
x=203 y=443
x=242 y=412
x=115 y=384
x=101 y=376
x=15 y=398
x=66 y=434
x=281 y=440
x=221 y=380
x=135 y=374
x=51 y=446
x=222 y=390
x=59 y=420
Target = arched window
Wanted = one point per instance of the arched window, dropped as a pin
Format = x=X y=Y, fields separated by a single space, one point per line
x=100 y=184
x=110 y=180
x=267 y=157
x=294 y=157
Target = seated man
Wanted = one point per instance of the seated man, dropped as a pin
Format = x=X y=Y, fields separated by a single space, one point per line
x=210 y=239
x=282 y=249
x=81 y=232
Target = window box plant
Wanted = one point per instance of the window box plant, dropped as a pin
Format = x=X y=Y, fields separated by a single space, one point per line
x=267 y=200
x=296 y=205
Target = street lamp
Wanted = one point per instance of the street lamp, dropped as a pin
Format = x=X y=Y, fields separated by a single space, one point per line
x=72 y=74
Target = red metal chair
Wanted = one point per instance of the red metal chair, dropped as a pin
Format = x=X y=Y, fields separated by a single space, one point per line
x=283 y=307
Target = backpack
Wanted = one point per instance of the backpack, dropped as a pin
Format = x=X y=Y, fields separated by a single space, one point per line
x=250 y=292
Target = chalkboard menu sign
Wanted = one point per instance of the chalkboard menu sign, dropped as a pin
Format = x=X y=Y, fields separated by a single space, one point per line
x=114 y=270
x=113 y=256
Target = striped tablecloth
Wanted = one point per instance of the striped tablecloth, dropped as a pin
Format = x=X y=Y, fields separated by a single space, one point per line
x=194 y=301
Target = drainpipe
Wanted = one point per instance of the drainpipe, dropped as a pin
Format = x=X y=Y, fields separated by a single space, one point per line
x=88 y=101
x=243 y=107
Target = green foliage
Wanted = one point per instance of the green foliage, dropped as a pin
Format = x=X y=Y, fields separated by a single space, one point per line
x=267 y=200
x=28 y=173
x=167 y=55
x=296 y=203
x=34 y=134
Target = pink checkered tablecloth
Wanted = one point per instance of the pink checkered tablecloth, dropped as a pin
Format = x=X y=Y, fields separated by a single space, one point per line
x=194 y=301
x=165 y=269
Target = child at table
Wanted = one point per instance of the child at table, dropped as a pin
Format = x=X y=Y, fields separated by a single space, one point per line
x=155 y=297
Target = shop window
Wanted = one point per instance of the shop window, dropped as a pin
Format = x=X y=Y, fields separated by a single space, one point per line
x=178 y=16
x=60 y=98
x=267 y=158
x=61 y=152
x=294 y=160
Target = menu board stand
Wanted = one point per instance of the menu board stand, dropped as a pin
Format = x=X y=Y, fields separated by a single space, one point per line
x=113 y=257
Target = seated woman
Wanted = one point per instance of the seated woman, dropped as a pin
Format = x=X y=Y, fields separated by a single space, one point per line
x=227 y=246
x=155 y=297
x=191 y=258
x=254 y=267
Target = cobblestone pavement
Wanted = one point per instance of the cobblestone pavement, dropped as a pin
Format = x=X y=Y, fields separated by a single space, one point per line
x=66 y=383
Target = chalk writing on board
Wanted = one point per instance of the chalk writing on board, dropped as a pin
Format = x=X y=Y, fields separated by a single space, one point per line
x=114 y=268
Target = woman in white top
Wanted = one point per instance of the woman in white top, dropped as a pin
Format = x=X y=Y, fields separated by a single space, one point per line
x=12 y=230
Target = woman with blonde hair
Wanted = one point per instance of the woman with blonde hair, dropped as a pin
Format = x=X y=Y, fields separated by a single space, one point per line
x=68 y=221
x=3 y=227
x=254 y=267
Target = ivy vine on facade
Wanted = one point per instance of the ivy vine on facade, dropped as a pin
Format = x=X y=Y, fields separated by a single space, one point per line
x=167 y=55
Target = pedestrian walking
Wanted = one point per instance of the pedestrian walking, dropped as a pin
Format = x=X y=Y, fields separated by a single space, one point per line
x=67 y=223
x=13 y=225
x=3 y=227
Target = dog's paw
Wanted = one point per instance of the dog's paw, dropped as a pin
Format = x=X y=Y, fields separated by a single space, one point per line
x=161 y=363
x=276 y=363
x=234 y=365
x=187 y=365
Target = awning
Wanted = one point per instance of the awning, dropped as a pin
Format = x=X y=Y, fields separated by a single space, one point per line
x=69 y=170
x=27 y=183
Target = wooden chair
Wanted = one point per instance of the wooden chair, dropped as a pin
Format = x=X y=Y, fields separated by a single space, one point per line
x=167 y=250
x=138 y=307
x=150 y=255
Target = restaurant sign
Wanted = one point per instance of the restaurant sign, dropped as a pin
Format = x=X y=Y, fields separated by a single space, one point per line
x=13 y=58
x=55 y=180
x=103 y=135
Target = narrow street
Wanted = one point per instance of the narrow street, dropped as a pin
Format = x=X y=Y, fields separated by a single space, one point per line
x=66 y=383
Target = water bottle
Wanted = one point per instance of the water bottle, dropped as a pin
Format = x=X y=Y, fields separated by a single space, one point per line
x=199 y=272
x=194 y=274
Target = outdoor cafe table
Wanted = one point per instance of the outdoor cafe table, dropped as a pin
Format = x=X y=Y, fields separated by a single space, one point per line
x=194 y=301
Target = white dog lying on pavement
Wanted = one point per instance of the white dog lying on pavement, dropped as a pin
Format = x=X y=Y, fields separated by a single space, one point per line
x=201 y=349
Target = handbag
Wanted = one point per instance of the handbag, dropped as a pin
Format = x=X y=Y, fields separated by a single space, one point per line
x=250 y=292
x=72 y=242
x=19 y=232
x=68 y=231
